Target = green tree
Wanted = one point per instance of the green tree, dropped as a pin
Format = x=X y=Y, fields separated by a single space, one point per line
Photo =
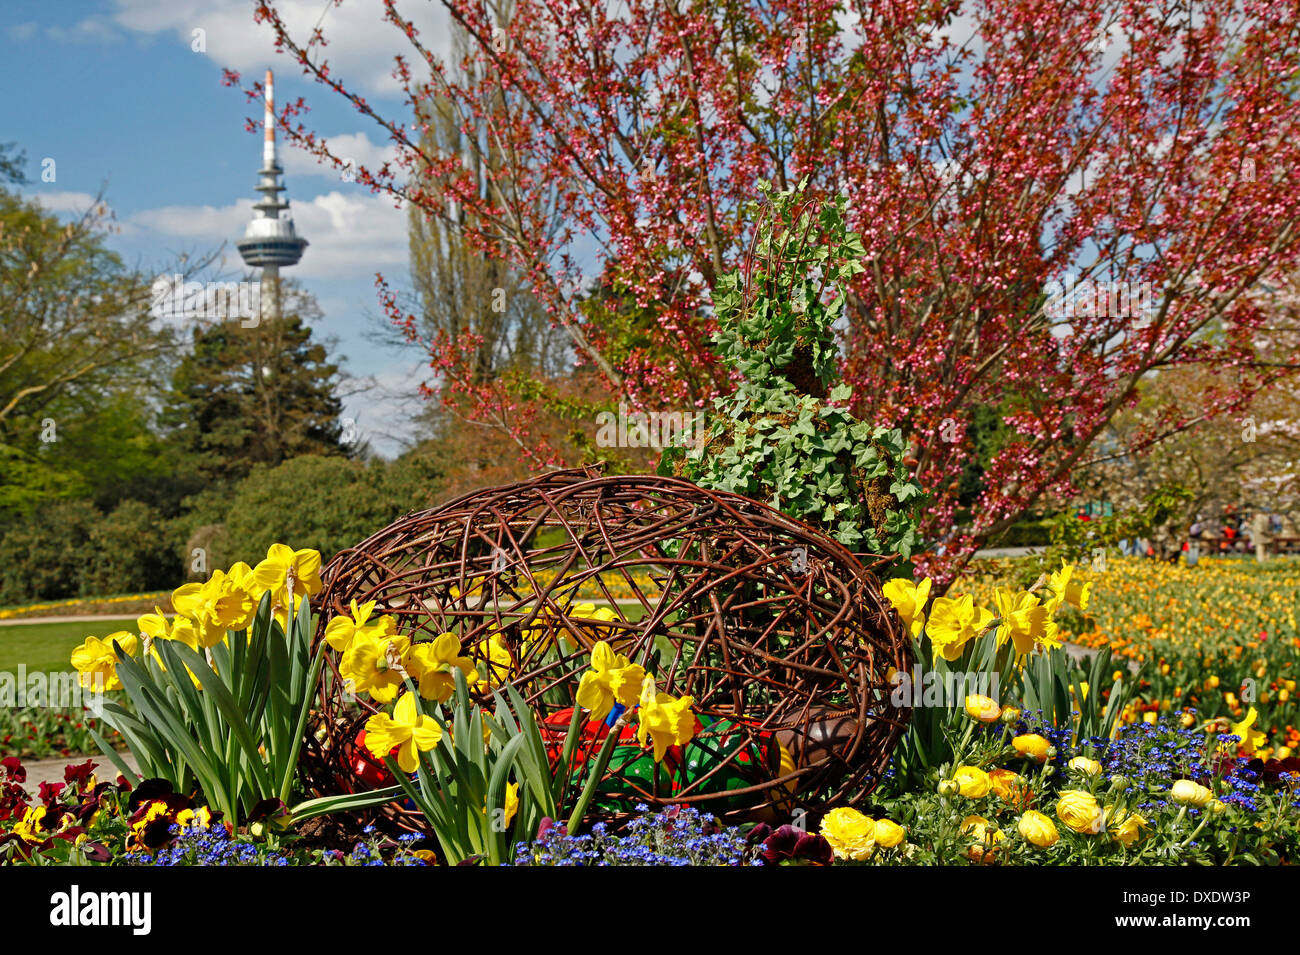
x=79 y=355
x=326 y=503
x=246 y=396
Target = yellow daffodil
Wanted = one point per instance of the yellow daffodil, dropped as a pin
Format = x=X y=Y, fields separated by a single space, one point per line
x=909 y=599
x=282 y=564
x=1066 y=589
x=611 y=679
x=96 y=662
x=497 y=660
x=1024 y=619
x=953 y=623
x=667 y=721
x=340 y=632
x=156 y=626
x=407 y=730
x=434 y=663
x=221 y=603
x=512 y=804
x=1250 y=739
x=374 y=664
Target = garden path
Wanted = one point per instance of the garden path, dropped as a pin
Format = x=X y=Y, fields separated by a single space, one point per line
x=51 y=770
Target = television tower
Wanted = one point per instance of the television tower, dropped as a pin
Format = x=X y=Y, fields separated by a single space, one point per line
x=270 y=242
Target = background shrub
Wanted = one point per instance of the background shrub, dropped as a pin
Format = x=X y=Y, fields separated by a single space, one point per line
x=43 y=556
x=131 y=550
x=326 y=503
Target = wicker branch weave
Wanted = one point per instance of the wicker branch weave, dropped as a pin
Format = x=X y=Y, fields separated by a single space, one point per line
x=780 y=635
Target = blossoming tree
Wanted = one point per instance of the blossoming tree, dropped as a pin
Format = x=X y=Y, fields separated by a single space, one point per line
x=992 y=151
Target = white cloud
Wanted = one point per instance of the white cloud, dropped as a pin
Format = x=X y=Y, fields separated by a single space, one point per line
x=350 y=235
x=356 y=147
x=91 y=29
x=361 y=43
x=64 y=201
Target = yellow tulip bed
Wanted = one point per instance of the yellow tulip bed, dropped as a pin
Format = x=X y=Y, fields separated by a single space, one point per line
x=1220 y=639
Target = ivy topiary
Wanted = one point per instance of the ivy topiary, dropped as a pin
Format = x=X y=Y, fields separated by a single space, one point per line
x=785 y=436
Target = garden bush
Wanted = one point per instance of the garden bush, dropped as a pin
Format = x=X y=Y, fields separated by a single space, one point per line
x=130 y=550
x=44 y=555
x=325 y=503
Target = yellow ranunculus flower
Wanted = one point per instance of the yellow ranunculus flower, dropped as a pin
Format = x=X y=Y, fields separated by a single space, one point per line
x=908 y=599
x=1011 y=787
x=851 y=834
x=611 y=679
x=1082 y=764
x=96 y=663
x=407 y=729
x=1031 y=745
x=1024 y=619
x=433 y=664
x=374 y=665
x=668 y=722
x=982 y=708
x=954 y=622
x=1190 y=793
x=1127 y=827
x=1080 y=811
x=984 y=847
x=1038 y=829
x=889 y=834
x=972 y=782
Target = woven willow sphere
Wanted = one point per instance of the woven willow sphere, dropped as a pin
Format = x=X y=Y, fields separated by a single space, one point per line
x=780 y=635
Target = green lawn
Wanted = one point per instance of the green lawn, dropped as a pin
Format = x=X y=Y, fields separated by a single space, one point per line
x=46 y=646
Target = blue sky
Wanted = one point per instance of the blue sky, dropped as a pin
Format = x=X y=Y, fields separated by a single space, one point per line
x=114 y=93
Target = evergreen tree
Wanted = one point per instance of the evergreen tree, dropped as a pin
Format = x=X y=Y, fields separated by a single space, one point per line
x=257 y=395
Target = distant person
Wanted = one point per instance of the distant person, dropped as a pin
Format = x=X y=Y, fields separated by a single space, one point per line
x=1259 y=533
